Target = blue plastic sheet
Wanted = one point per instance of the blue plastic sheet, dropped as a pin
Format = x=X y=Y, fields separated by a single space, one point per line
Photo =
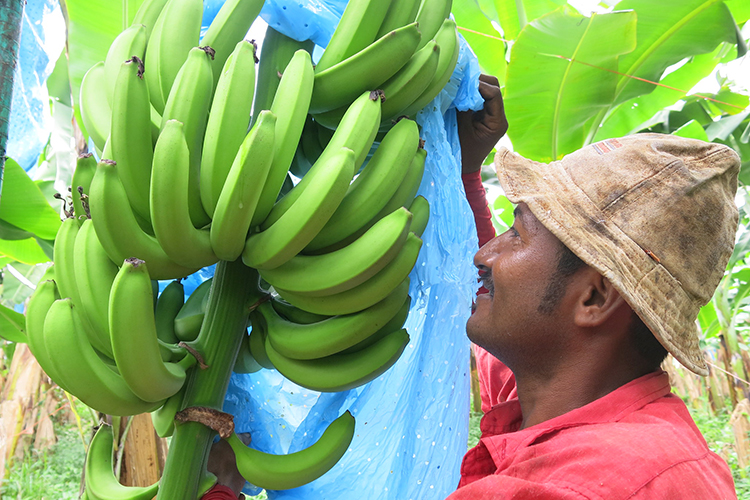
x=412 y=422
x=42 y=39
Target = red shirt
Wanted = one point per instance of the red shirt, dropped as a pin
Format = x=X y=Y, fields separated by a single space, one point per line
x=219 y=492
x=637 y=442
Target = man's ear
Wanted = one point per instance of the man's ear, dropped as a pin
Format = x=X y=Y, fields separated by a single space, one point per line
x=597 y=301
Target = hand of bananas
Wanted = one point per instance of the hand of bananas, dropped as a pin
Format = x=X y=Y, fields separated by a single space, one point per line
x=194 y=159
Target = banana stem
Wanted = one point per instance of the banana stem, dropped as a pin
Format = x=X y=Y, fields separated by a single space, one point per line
x=234 y=288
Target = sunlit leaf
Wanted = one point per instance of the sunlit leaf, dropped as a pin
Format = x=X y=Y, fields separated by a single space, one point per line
x=482 y=37
x=19 y=282
x=730 y=102
x=669 y=31
x=740 y=10
x=23 y=204
x=502 y=213
x=513 y=15
x=12 y=325
x=555 y=81
x=640 y=112
x=27 y=251
x=691 y=130
x=708 y=320
x=723 y=128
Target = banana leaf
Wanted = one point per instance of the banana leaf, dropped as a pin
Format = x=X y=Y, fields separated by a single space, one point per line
x=24 y=206
x=27 y=251
x=639 y=113
x=740 y=10
x=692 y=130
x=12 y=325
x=555 y=82
x=513 y=15
x=487 y=46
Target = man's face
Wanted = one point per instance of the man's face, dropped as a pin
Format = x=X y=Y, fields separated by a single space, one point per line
x=515 y=321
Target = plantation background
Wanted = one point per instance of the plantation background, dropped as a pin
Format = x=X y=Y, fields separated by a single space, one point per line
x=572 y=73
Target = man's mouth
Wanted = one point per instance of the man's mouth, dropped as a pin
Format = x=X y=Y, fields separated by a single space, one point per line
x=485 y=278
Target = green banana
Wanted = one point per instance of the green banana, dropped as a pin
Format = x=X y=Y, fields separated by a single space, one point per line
x=131 y=135
x=36 y=311
x=163 y=418
x=99 y=476
x=245 y=362
x=229 y=27
x=420 y=211
x=118 y=230
x=290 y=107
x=343 y=269
x=332 y=335
x=65 y=276
x=323 y=193
x=242 y=189
x=170 y=214
x=447 y=40
x=93 y=103
x=94 y=274
x=278 y=49
x=133 y=335
x=257 y=342
x=373 y=187
x=400 y=13
x=227 y=122
x=368 y=293
x=81 y=183
x=357 y=132
x=356 y=30
x=176 y=31
x=82 y=372
x=366 y=70
x=403 y=196
x=395 y=323
x=130 y=42
x=430 y=17
x=168 y=305
x=294 y=314
x=410 y=82
x=187 y=323
x=341 y=372
x=283 y=472
x=189 y=102
x=148 y=13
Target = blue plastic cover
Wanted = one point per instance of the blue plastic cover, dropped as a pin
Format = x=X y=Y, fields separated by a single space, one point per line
x=41 y=43
x=412 y=422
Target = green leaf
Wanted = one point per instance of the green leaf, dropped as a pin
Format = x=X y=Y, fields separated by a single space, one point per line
x=23 y=204
x=735 y=103
x=10 y=232
x=513 y=15
x=20 y=281
x=12 y=325
x=555 y=81
x=708 y=320
x=502 y=213
x=691 y=130
x=723 y=128
x=27 y=251
x=669 y=31
x=640 y=112
x=92 y=26
x=740 y=10
x=487 y=46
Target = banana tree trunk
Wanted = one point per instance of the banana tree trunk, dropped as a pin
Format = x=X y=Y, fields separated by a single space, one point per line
x=10 y=36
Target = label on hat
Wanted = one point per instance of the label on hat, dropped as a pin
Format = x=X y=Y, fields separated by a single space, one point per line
x=606 y=146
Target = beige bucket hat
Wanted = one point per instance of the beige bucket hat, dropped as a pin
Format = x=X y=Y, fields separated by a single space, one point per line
x=653 y=213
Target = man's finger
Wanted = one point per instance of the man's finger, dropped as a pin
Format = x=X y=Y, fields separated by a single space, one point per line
x=492 y=80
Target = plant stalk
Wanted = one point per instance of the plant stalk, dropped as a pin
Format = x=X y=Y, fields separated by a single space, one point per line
x=10 y=39
x=233 y=290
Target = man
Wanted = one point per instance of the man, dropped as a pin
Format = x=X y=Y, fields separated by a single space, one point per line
x=613 y=251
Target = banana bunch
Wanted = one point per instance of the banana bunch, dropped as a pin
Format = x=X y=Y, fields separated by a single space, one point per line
x=92 y=327
x=408 y=49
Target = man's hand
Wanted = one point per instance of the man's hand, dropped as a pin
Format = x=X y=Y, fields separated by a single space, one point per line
x=479 y=131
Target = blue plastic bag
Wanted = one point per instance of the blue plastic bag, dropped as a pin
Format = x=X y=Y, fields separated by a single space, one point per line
x=42 y=39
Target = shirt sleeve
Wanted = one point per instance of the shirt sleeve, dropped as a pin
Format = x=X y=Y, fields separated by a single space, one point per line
x=219 y=492
x=477 y=198
x=506 y=488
